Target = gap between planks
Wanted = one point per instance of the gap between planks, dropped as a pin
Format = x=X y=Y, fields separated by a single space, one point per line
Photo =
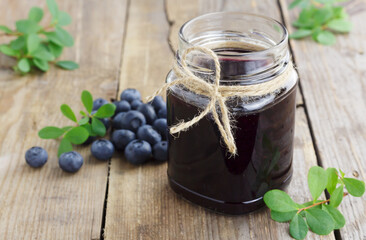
x=118 y=77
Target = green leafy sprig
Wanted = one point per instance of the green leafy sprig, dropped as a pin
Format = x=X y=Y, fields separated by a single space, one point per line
x=37 y=46
x=89 y=125
x=320 y=19
x=321 y=216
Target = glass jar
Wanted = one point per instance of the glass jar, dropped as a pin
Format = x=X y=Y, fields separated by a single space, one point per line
x=251 y=50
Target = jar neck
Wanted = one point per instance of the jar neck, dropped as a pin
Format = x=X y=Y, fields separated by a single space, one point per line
x=246 y=55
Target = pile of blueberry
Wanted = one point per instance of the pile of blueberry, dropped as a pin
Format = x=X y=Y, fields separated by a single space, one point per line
x=138 y=129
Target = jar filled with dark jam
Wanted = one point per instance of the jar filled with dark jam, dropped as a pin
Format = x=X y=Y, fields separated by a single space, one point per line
x=251 y=50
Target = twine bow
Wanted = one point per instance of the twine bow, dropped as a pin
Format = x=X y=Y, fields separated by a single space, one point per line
x=217 y=94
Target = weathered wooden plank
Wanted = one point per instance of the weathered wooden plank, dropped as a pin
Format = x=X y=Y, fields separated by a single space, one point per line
x=48 y=203
x=140 y=203
x=333 y=82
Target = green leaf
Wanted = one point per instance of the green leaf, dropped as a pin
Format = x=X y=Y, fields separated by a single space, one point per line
x=305 y=19
x=83 y=121
x=43 y=54
x=279 y=201
x=35 y=14
x=67 y=112
x=342 y=173
x=322 y=15
x=299 y=24
x=64 y=37
x=105 y=111
x=354 y=187
x=282 y=216
x=8 y=51
x=298 y=227
x=64 y=18
x=67 y=128
x=60 y=37
x=55 y=49
x=83 y=113
x=41 y=64
x=88 y=127
x=319 y=221
x=307 y=204
x=52 y=6
x=98 y=127
x=337 y=216
x=24 y=65
x=87 y=100
x=340 y=25
x=317 y=181
x=50 y=132
x=33 y=42
x=65 y=146
x=294 y=4
x=336 y=197
x=77 y=135
x=18 y=43
x=325 y=38
x=68 y=65
x=53 y=37
x=339 y=13
x=27 y=26
x=332 y=179
x=301 y=33
x=5 y=29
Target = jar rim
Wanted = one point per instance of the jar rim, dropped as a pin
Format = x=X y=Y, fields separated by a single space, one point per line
x=278 y=44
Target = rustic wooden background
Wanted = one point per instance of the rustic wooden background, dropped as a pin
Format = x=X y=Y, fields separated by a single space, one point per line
x=130 y=43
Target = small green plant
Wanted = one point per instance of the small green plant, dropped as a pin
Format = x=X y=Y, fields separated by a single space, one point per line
x=89 y=124
x=321 y=216
x=320 y=19
x=37 y=46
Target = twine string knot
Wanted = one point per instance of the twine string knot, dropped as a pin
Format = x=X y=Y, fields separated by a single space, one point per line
x=217 y=95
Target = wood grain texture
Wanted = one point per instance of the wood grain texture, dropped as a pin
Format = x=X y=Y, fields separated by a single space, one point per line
x=333 y=80
x=48 y=203
x=140 y=204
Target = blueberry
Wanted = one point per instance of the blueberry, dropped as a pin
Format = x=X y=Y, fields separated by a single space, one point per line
x=138 y=152
x=158 y=103
x=70 y=161
x=122 y=137
x=102 y=149
x=162 y=113
x=117 y=120
x=148 y=112
x=135 y=104
x=148 y=134
x=36 y=157
x=130 y=120
x=122 y=106
x=98 y=103
x=130 y=94
x=161 y=126
x=160 y=151
x=106 y=122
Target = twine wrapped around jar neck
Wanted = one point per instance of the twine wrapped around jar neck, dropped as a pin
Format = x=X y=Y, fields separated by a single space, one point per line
x=218 y=94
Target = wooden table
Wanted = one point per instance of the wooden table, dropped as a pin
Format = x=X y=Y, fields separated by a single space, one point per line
x=125 y=43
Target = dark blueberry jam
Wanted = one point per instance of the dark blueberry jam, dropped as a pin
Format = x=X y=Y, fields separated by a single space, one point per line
x=199 y=166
